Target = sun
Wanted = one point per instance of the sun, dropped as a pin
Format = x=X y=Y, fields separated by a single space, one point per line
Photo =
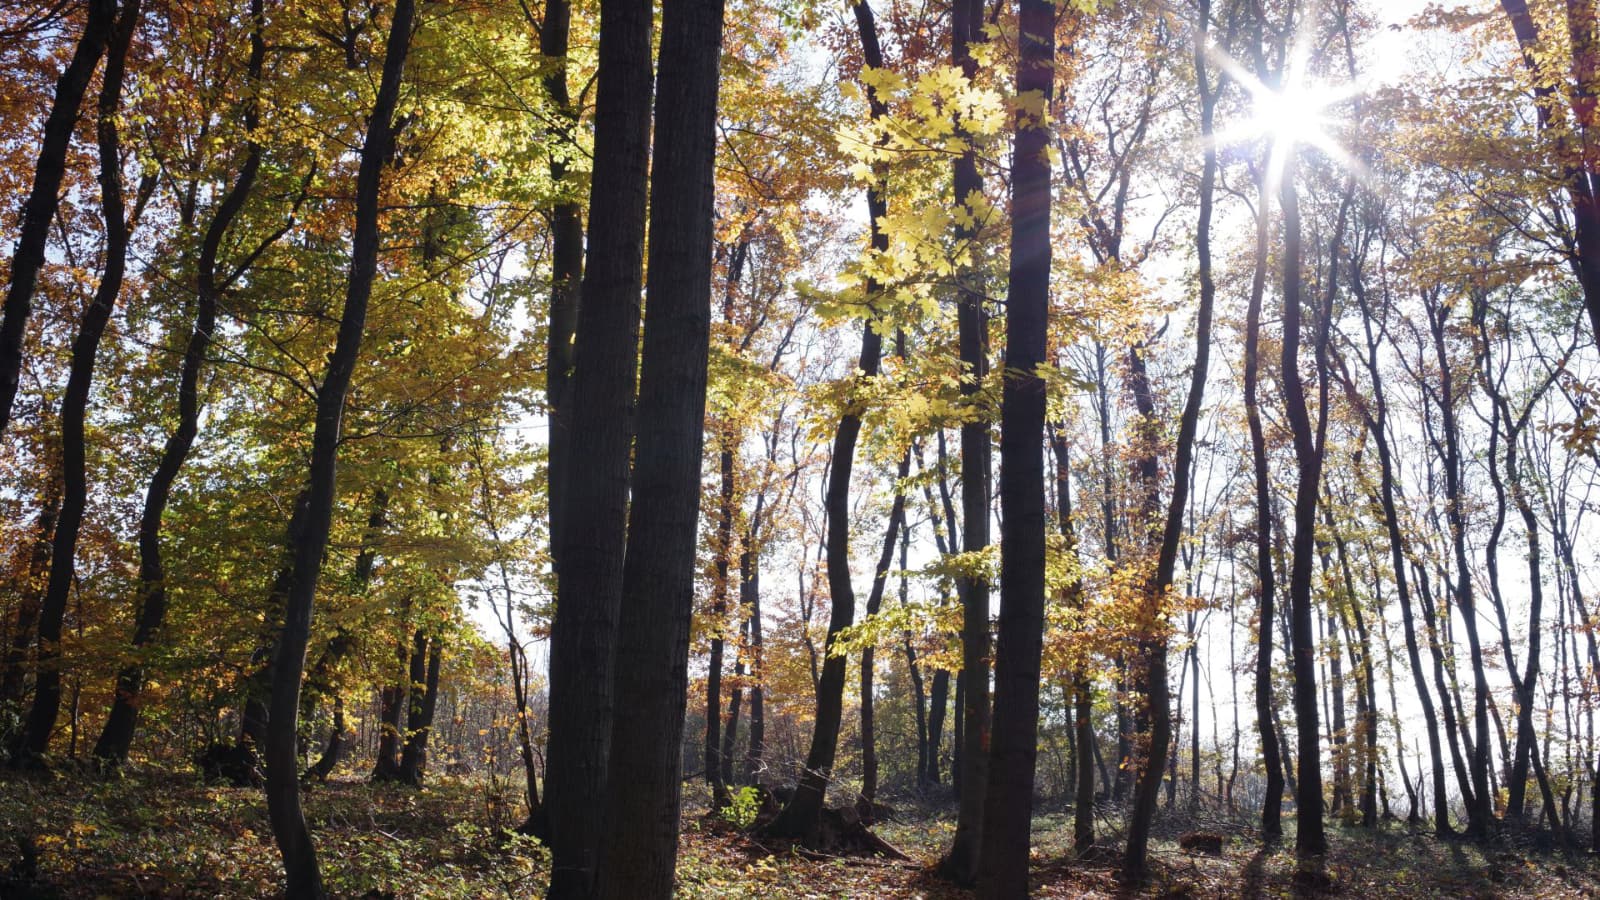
x=1298 y=111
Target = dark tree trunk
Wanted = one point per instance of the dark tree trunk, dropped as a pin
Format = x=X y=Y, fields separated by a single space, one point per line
x=419 y=719
x=971 y=762
x=755 y=752
x=880 y=578
x=41 y=720
x=566 y=260
x=40 y=208
x=1376 y=416
x=1153 y=639
x=334 y=750
x=1266 y=580
x=117 y=737
x=1013 y=748
x=938 y=711
x=719 y=615
x=642 y=807
x=307 y=538
x=1479 y=805
x=801 y=816
x=1309 y=443
x=594 y=511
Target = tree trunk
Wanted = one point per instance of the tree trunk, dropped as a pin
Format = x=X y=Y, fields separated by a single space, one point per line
x=41 y=719
x=971 y=763
x=39 y=210
x=801 y=816
x=589 y=582
x=419 y=721
x=1266 y=580
x=117 y=736
x=1151 y=621
x=1008 y=799
x=639 y=852
x=566 y=261
x=719 y=619
x=307 y=538
x=880 y=578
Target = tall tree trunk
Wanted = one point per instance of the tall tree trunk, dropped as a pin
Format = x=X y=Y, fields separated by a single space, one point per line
x=719 y=617
x=971 y=775
x=801 y=816
x=1479 y=805
x=639 y=852
x=35 y=737
x=39 y=210
x=1309 y=444
x=589 y=582
x=1376 y=415
x=1013 y=748
x=307 y=538
x=1266 y=580
x=755 y=752
x=1152 y=616
x=117 y=736
x=566 y=261
x=1079 y=693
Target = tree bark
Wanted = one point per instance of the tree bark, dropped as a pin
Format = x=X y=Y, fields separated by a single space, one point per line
x=1152 y=627
x=880 y=578
x=639 y=852
x=589 y=581
x=566 y=262
x=419 y=718
x=1008 y=799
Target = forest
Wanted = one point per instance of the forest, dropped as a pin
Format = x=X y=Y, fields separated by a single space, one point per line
x=729 y=449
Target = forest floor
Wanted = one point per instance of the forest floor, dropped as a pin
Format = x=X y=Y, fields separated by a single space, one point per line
x=164 y=834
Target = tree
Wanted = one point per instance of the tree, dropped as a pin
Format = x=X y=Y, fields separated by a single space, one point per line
x=307 y=539
x=119 y=221
x=1008 y=801
x=645 y=778
x=99 y=25
x=593 y=510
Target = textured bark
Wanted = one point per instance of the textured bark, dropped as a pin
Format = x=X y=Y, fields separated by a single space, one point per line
x=1013 y=749
x=39 y=210
x=117 y=736
x=639 y=853
x=307 y=538
x=41 y=719
x=594 y=511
